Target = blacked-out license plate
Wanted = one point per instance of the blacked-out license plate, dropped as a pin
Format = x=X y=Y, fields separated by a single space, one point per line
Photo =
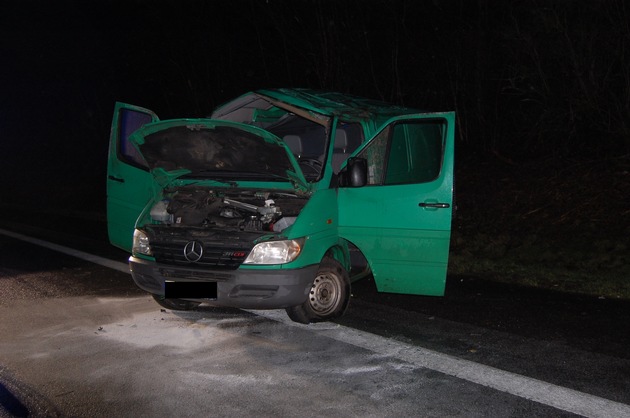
x=190 y=290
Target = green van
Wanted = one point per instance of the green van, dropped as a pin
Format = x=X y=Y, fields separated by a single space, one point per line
x=280 y=199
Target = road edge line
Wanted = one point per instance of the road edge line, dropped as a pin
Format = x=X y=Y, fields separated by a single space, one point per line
x=105 y=262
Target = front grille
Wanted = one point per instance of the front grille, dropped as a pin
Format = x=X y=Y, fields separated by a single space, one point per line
x=221 y=258
x=219 y=250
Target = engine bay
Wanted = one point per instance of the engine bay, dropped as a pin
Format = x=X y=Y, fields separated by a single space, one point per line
x=242 y=210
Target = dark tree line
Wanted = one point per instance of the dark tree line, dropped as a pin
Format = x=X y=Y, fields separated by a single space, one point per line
x=528 y=78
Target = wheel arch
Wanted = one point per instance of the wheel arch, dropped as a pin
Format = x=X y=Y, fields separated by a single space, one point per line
x=341 y=253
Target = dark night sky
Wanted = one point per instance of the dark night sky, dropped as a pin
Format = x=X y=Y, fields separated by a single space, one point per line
x=524 y=77
x=66 y=63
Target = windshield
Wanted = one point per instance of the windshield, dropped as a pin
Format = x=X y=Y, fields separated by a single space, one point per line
x=216 y=152
x=305 y=136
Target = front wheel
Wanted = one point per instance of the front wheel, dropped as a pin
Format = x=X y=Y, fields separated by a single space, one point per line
x=328 y=297
x=175 y=304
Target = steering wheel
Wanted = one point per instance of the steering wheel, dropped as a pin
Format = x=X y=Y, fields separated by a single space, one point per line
x=313 y=164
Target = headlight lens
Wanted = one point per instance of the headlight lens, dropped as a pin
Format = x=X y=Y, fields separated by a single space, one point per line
x=275 y=252
x=141 y=243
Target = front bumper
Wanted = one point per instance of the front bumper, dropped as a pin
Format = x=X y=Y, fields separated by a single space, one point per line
x=240 y=288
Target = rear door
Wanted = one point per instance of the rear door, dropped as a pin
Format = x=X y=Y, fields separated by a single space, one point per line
x=401 y=220
x=129 y=183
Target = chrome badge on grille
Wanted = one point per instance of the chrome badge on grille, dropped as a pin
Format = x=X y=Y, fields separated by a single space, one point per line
x=193 y=251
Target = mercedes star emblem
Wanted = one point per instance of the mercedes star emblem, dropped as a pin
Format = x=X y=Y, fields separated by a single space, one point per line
x=193 y=251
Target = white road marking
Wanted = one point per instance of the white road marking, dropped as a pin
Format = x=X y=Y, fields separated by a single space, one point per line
x=525 y=387
x=115 y=265
x=522 y=386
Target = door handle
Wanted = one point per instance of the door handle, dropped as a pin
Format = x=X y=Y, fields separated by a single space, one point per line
x=118 y=179
x=434 y=205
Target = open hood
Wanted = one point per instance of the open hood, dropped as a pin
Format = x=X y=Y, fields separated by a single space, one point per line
x=218 y=150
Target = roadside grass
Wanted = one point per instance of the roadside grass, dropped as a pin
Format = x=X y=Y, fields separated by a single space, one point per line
x=565 y=228
x=602 y=283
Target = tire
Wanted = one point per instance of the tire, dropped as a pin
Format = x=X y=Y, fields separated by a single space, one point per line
x=329 y=296
x=175 y=304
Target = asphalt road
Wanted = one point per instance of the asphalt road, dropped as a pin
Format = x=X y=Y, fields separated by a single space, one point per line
x=78 y=339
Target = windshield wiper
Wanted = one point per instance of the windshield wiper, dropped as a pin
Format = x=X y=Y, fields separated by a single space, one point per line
x=261 y=176
x=216 y=175
x=233 y=174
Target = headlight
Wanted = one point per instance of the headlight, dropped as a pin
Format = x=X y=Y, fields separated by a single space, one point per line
x=275 y=252
x=141 y=243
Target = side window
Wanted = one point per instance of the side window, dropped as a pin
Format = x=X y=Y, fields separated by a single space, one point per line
x=375 y=154
x=348 y=137
x=131 y=121
x=406 y=152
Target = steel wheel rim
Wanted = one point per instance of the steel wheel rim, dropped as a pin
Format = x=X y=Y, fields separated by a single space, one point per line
x=325 y=294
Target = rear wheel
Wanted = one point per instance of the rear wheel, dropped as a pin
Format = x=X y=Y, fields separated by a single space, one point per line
x=328 y=297
x=175 y=304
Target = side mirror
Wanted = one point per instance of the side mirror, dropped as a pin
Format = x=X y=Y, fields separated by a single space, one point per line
x=354 y=173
